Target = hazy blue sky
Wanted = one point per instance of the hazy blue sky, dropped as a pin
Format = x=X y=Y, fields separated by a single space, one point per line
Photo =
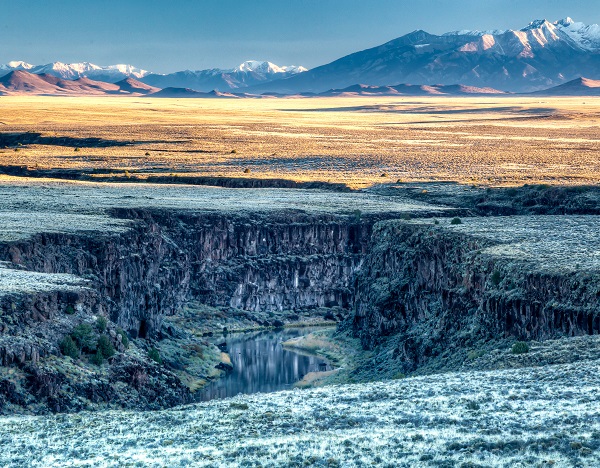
x=166 y=36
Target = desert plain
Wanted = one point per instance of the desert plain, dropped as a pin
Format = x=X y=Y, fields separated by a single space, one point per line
x=356 y=141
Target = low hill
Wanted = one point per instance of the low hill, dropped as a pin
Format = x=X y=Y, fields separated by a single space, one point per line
x=131 y=85
x=577 y=87
x=409 y=90
x=189 y=93
x=21 y=82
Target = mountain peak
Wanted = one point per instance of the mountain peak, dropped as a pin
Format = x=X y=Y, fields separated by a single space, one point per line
x=17 y=65
x=565 y=21
x=540 y=23
x=267 y=67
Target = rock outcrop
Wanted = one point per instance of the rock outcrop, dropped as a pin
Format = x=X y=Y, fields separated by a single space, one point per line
x=431 y=287
x=436 y=289
x=137 y=277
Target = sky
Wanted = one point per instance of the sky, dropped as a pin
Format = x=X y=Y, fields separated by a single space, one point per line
x=167 y=36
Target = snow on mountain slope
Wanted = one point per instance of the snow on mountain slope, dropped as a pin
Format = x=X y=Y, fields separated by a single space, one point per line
x=72 y=71
x=249 y=73
x=586 y=36
x=267 y=68
x=16 y=65
x=541 y=55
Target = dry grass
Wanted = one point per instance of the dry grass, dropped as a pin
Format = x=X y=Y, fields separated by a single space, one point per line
x=490 y=140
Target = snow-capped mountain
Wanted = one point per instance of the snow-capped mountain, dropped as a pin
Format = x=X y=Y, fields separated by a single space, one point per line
x=538 y=56
x=15 y=65
x=249 y=73
x=266 y=68
x=587 y=37
x=73 y=71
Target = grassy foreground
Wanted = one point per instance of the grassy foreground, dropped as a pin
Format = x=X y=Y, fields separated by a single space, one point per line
x=526 y=417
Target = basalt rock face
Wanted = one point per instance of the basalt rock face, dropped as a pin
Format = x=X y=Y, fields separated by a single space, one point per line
x=277 y=262
x=262 y=262
x=138 y=275
x=29 y=328
x=256 y=262
x=434 y=291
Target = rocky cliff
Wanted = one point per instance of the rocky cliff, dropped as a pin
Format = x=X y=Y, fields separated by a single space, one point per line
x=139 y=276
x=259 y=262
x=414 y=289
x=437 y=288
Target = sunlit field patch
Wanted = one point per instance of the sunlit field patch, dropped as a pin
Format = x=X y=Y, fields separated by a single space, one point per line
x=483 y=140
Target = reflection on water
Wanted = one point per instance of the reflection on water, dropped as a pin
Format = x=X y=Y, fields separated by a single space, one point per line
x=260 y=364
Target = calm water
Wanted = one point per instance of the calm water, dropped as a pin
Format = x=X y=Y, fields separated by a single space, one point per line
x=260 y=364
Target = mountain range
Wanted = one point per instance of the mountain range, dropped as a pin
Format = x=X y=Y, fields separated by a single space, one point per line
x=247 y=74
x=537 y=57
x=21 y=82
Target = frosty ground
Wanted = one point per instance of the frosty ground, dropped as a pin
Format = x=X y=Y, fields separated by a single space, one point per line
x=533 y=416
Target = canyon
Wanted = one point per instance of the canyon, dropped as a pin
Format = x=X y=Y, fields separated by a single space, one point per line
x=415 y=279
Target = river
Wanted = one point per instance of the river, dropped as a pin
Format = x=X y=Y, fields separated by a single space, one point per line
x=261 y=364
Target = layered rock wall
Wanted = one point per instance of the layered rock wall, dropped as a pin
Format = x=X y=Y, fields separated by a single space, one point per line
x=260 y=262
x=437 y=289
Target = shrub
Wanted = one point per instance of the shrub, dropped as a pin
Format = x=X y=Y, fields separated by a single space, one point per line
x=520 y=347
x=385 y=174
x=239 y=406
x=147 y=154
x=496 y=278
x=69 y=310
x=124 y=338
x=101 y=323
x=473 y=406
x=76 y=150
x=69 y=348
x=475 y=354
x=97 y=359
x=155 y=355
x=233 y=151
x=456 y=221
x=84 y=336
x=105 y=346
x=246 y=171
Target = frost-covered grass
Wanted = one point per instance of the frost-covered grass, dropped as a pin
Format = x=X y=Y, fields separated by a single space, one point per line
x=19 y=281
x=53 y=198
x=15 y=225
x=525 y=417
x=549 y=242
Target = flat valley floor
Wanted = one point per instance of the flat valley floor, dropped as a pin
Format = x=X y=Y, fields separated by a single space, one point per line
x=356 y=141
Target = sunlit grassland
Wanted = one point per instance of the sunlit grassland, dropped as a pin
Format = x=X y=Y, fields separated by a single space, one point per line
x=359 y=141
